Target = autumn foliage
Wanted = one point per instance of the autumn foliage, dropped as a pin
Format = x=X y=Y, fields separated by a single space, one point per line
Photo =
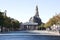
x=54 y=20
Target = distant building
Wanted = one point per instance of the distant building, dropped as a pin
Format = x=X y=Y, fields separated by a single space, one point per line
x=55 y=27
x=29 y=26
x=33 y=22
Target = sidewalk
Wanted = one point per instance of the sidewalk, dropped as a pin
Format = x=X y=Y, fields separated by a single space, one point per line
x=44 y=32
x=34 y=32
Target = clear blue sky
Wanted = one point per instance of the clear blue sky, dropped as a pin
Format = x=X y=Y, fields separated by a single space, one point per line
x=22 y=10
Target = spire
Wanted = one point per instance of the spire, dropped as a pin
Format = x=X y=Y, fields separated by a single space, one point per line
x=37 y=13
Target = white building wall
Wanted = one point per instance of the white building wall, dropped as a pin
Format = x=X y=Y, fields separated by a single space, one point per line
x=55 y=27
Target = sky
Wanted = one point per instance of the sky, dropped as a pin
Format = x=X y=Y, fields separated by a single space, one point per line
x=22 y=10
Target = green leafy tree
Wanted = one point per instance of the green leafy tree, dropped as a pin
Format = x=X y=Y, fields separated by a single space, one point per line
x=15 y=25
x=7 y=23
x=41 y=27
x=1 y=21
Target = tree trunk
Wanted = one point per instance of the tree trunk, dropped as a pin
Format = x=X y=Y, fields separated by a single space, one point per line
x=1 y=29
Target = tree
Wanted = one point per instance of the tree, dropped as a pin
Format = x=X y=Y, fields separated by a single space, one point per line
x=7 y=23
x=54 y=20
x=41 y=27
x=1 y=20
x=15 y=25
